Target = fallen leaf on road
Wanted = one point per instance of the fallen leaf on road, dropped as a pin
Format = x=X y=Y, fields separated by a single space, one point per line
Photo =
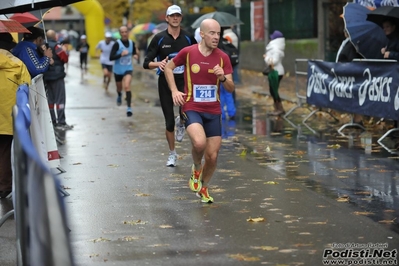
x=130 y=238
x=347 y=170
x=292 y=189
x=334 y=146
x=142 y=195
x=135 y=222
x=302 y=177
x=267 y=248
x=165 y=226
x=113 y=165
x=274 y=210
x=327 y=159
x=242 y=257
x=76 y=163
x=256 y=220
x=363 y=213
x=287 y=250
x=93 y=255
x=271 y=183
x=101 y=239
x=368 y=193
x=243 y=200
x=158 y=245
x=387 y=221
x=318 y=222
x=343 y=199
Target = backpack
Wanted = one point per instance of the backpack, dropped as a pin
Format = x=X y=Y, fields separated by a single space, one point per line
x=231 y=51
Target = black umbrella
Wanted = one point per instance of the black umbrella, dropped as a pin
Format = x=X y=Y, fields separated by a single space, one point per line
x=384 y=13
x=20 y=6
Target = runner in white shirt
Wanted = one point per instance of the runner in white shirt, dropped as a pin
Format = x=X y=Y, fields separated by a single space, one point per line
x=105 y=46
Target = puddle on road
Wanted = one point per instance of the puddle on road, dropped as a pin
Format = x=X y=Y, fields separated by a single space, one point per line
x=320 y=158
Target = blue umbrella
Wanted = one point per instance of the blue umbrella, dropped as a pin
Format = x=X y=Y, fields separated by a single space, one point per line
x=367 y=37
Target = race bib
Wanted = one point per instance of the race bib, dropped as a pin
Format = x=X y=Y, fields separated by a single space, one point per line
x=178 y=70
x=83 y=50
x=205 y=93
x=126 y=60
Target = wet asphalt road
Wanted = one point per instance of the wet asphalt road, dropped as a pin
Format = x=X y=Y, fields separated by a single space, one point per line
x=126 y=208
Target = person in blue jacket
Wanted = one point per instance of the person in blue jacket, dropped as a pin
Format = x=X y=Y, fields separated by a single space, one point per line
x=33 y=52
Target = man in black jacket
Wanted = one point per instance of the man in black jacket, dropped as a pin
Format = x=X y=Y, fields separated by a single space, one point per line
x=55 y=84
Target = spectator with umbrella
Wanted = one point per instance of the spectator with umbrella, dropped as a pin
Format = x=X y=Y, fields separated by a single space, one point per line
x=366 y=36
x=33 y=52
x=391 y=51
x=388 y=18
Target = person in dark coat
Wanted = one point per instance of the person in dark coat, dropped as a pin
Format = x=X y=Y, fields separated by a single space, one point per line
x=391 y=51
x=55 y=83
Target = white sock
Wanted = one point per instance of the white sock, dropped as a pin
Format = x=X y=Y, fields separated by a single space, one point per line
x=172 y=152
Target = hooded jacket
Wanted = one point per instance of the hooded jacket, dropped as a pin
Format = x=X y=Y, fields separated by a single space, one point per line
x=275 y=54
x=13 y=73
x=27 y=52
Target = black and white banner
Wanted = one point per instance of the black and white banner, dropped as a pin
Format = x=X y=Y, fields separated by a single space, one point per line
x=367 y=88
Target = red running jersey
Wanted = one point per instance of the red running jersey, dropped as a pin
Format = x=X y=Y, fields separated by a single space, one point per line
x=201 y=85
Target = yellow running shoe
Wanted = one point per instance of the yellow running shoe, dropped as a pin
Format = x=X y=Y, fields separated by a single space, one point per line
x=195 y=183
x=204 y=195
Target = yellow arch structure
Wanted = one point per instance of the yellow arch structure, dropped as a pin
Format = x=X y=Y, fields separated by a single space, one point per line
x=94 y=22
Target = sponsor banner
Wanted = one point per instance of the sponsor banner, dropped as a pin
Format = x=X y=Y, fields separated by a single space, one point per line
x=41 y=129
x=367 y=88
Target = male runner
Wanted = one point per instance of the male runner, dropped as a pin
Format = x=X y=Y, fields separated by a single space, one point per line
x=206 y=67
x=122 y=53
x=105 y=46
x=164 y=46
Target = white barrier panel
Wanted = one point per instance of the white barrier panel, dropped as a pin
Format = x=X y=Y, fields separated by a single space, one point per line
x=41 y=129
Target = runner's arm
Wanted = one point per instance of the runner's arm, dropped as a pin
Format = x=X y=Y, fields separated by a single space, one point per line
x=170 y=78
x=113 y=55
x=177 y=96
x=229 y=83
x=152 y=53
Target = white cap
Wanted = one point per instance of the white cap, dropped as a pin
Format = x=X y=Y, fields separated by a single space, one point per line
x=108 y=34
x=83 y=37
x=173 y=10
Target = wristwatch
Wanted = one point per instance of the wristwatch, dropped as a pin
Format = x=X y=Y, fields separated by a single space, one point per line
x=224 y=80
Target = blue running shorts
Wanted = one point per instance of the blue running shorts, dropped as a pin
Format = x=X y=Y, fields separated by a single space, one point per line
x=211 y=123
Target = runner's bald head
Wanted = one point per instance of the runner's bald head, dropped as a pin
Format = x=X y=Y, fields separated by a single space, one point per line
x=51 y=34
x=208 y=24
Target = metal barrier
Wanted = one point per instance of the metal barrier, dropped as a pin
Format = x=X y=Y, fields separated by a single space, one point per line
x=301 y=99
x=301 y=70
x=42 y=234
